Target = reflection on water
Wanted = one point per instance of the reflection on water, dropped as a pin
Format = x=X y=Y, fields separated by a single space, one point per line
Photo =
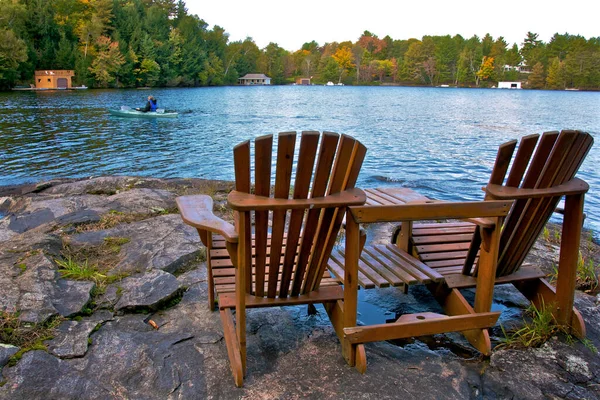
x=441 y=142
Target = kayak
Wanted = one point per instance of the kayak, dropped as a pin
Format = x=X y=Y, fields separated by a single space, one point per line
x=139 y=114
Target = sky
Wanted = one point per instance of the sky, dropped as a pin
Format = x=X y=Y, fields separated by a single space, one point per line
x=290 y=24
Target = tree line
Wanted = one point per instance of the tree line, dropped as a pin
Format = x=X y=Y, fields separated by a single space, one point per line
x=134 y=43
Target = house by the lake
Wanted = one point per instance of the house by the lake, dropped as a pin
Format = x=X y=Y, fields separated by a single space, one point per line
x=254 y=79
x=509 y=85
x=303 y=81
x=53 y=79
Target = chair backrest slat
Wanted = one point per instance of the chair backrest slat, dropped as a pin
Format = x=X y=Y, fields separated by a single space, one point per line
x=304 y=170
x=339 y=174
x=533 y=172
x=299 y=240
x=555 y=161
x=241 y=161
x=524 y=153
x=575 y=148
x=535 y=210
x=329 y=144
x=263 y=150
x=285 y=159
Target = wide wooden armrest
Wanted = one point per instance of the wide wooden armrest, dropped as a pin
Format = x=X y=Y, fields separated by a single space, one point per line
x=427 y=210
x=197 y=211
x=574 y=186
x=240 y=201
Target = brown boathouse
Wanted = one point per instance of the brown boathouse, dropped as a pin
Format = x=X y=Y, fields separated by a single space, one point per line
x=53 y=79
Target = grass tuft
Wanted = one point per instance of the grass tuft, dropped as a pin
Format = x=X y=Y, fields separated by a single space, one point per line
x=539 y=326
x=27 y=336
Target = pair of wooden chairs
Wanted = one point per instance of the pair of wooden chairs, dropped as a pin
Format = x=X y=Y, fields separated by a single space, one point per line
x=279 y=252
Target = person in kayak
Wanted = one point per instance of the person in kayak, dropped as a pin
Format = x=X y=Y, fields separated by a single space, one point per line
x=150 y=105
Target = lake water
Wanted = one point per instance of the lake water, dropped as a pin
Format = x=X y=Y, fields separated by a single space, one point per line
x=439 y=141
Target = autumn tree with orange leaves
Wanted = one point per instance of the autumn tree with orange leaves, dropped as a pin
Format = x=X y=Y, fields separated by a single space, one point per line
x=344 y=59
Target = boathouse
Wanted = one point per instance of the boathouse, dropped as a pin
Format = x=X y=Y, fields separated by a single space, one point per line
x=254 y=79
x=303 y=81
x=509 y=85
x=53 y=79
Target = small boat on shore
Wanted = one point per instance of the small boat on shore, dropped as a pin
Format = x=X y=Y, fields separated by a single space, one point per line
x=131 y=113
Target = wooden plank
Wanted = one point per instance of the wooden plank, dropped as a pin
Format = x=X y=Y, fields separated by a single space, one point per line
x=321 y=177
x=526 y=147
x=263 y=150
x=420 y=327
x=306 y=159
x=369 y=276
x=505 y=152
x=414 y=263
x=391 y=256
x=441 y=210
x=437 y=248
x=285 y=157
x=233 y=347
x=324 y=294
x=460 y=281
x=349 y=173
x=443 y=231
x=326 y=232
x=443 y=256
x=403 y=195
x=390 y=265
x=374 y=198
x=197 y=211
x=442 y=238
x=380 y=269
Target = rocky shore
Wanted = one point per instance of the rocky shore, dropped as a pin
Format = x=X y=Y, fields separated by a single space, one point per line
x=135 y=324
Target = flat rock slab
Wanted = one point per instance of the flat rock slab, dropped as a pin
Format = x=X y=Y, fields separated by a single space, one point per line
x=38 y=292
x=148 y=290
x=128 y=359
x=72 y=337
x=162 y=242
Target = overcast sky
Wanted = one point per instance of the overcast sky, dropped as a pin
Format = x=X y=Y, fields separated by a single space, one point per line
x=292 y=23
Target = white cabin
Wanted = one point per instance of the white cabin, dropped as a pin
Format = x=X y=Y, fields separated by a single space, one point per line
x=509 y=85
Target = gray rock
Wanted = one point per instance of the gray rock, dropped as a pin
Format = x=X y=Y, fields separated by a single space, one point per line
x=148 y=290
x=39 y=375
x=162 y=242
x=555 y=370
x=193 y=277
x=128 y=359
x=103 y=185
x=38 y=292
x=6 y=352
x=141 y=201
x=71 y=339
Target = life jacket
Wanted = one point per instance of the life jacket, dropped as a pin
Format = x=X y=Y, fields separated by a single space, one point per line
x=152 y=105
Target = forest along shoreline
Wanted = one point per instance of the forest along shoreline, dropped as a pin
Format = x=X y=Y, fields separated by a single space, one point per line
x=76 y=253
x=118 y=44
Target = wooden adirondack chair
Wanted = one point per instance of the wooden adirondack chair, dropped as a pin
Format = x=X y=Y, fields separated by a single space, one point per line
x=302 y=232
x=487 y=248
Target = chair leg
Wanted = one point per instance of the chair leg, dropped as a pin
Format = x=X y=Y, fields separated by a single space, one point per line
x=361 y=358
x=454 y=303
x=541 y=293
x=233 y=347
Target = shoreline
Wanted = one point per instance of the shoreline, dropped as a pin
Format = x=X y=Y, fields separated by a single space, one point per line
x=39 y=186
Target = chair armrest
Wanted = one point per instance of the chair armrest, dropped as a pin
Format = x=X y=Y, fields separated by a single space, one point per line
x=240 y=201
x=197 y=211
x=574 y=186
x=431 y=210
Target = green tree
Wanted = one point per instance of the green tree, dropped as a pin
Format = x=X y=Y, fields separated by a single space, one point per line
x=556 y=78
x=12 y=52
x=107 y=62
x=536 y=79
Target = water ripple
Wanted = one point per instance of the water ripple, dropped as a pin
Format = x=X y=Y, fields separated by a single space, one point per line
x=441 y=142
